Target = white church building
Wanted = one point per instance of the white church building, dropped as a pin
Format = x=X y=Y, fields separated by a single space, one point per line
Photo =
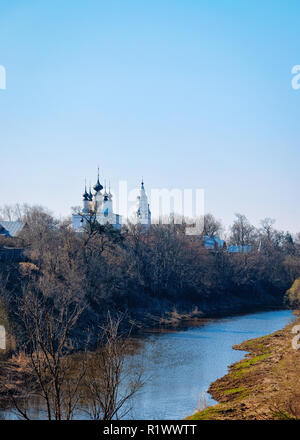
x=100 y=204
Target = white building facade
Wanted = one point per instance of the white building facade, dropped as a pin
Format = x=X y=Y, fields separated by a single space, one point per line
x=99 y=205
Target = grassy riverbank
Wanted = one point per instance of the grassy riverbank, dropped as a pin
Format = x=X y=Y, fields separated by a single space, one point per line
x=263 y=385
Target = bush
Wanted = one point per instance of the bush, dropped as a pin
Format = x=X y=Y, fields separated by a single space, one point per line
x=292 y=296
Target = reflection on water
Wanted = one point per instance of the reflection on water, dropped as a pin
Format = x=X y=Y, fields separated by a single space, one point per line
x=179 y=366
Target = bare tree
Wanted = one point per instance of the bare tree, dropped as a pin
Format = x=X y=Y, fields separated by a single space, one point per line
x=212 y=227
x=241 y=231
x=111 y=382
x=12 y=212
x=47 y=331
x=267 y=227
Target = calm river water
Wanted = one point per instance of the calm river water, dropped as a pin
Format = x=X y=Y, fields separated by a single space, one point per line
x=183 y=364
x=180 y=365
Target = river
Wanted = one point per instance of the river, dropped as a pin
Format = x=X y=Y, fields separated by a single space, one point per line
x=180 y=365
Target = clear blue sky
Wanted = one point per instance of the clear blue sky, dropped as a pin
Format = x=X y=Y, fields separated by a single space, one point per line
x=189 y=94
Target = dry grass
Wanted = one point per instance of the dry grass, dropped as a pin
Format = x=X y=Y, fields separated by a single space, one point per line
x=175 y=319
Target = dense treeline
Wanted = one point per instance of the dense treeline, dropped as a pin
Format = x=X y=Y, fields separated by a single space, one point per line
x=148 y=274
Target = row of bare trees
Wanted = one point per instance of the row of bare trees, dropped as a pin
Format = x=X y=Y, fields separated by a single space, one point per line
x=106 y=269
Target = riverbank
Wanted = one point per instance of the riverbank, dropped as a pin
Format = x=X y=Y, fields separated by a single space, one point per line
x=263 y=385
x=174 y=320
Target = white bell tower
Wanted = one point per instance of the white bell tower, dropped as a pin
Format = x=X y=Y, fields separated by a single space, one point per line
x=143 y=213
